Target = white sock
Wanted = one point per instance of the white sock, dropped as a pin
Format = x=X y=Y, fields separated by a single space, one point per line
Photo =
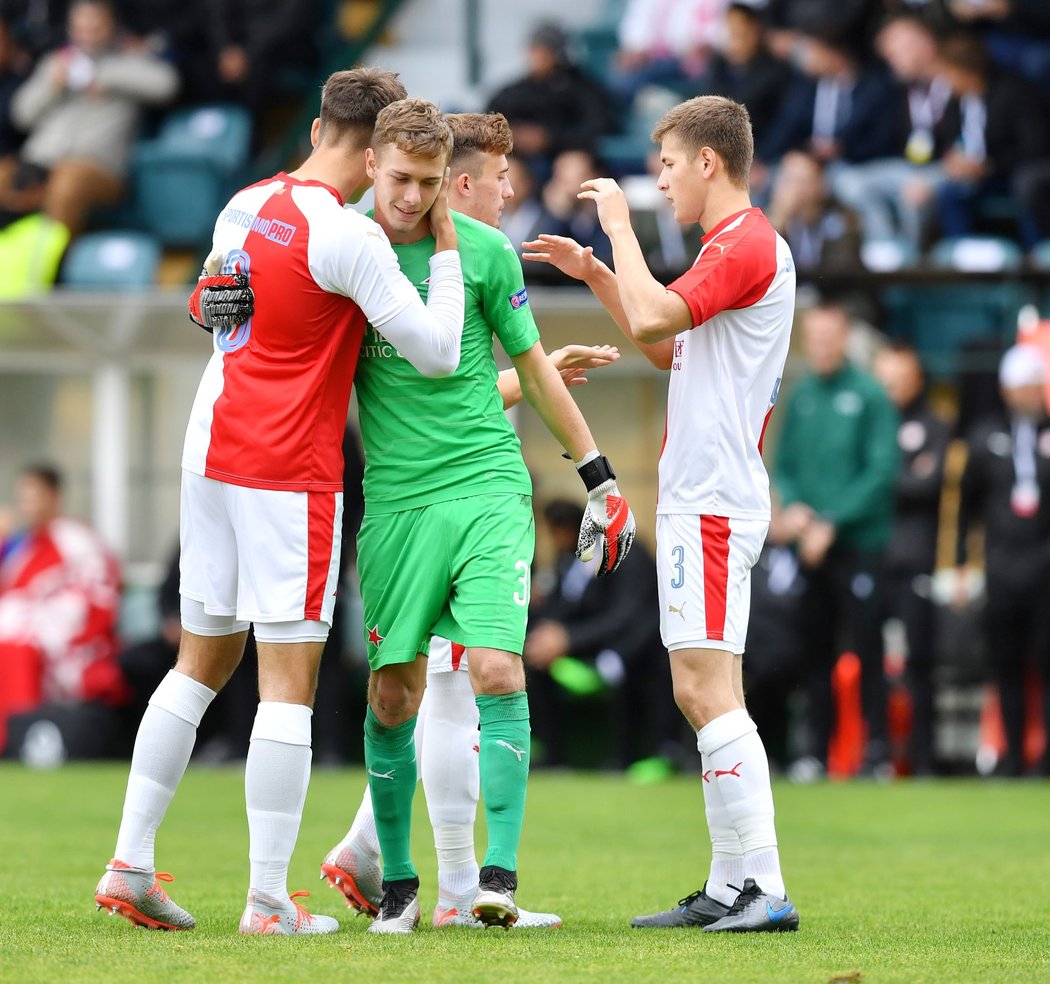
x=276 y=777
x=363 y=830
x=162 y=749
x=738 y=762
x=727 y=859
x=448 y=764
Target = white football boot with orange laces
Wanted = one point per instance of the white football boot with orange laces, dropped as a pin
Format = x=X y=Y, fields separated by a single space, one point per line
x=136 y=895
x=266 y=916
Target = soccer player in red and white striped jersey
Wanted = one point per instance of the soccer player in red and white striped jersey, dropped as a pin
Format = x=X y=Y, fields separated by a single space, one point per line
x=722 y=329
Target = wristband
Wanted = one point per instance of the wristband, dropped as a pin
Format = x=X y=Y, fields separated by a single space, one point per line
x=595 y=472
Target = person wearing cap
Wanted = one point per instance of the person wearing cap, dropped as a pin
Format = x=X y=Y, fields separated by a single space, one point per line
x=1006 y=491
x=556 y=106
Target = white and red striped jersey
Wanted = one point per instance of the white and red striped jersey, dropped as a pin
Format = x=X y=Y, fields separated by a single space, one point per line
x=726 y=371
x=271 y=407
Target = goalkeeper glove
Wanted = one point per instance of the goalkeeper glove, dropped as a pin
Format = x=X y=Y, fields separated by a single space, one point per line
x=221 y=301
x=607 y=516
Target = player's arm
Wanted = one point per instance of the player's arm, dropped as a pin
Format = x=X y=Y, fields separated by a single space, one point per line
x=580 y=263
x=653 y=312
x=607 y=516
x=571 y=362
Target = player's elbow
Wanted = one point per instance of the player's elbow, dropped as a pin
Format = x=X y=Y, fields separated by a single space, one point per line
x=650 y=330
x=439 y=365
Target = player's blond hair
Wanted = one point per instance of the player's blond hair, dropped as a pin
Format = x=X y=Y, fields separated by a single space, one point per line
x=351 y=100
x=416 y=127
x=715 y=122
x=477 y=134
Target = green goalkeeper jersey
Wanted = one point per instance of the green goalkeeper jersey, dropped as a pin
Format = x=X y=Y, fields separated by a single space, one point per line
x=430 y=440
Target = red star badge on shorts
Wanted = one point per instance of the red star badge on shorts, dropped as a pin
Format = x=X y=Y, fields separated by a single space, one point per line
x=374 y=637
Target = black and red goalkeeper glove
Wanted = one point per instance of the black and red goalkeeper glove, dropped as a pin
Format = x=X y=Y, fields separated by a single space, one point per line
x=607 y=516
x=221 y=300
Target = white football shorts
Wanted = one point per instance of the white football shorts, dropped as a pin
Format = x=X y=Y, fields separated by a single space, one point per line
x=259 y=555
x=446 y=656
x=704 y=573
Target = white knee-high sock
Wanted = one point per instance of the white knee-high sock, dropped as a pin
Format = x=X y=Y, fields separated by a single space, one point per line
x=738 y=763
x=162 y=749
x=727 y=858
x=276 y=777
x=450 y=772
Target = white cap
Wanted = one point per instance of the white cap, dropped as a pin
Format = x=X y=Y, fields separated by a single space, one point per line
x=1022 y=365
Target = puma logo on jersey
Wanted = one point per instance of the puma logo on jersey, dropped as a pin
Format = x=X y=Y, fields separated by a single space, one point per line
x=508 y=246
x=678 y=611
x=506 y=744
x=383 y=775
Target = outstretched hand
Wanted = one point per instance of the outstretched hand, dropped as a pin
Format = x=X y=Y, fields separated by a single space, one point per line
x=563 y=253
x=573 y=361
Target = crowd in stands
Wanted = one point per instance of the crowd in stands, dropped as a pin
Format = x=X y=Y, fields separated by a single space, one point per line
x=82 y=81
x=875 y=121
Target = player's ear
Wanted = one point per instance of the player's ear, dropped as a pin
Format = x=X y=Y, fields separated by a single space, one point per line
x=370 y=163
x=462 y=183
x=315 y=132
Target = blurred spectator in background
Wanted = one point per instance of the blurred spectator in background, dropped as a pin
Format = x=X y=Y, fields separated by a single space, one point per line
x=556 y=106
x=564 y=214
x=253 y=45
x=852 y=20
x=522 y=214
x=80 y=107
x=59 y=599
x=612 y=625
x=13 y=66
x=998 y=126
x=665 y=42
x=744 y=70
x=837 y=109
x=822 y=234
x=892 y=194
x=922 y=438
x=835 y=469
x=1015 y=32
x=1006 y=491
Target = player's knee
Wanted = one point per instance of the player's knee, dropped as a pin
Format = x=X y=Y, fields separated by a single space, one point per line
x=702 y=704
x=394 y=695
x=497 y=673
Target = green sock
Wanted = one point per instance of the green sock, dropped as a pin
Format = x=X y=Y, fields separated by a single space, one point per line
x=390 y=757
x=504 y=754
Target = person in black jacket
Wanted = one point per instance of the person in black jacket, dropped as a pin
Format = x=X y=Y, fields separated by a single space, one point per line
x=923 y=439
x=555 y=107
x=997 y=124
x=611 y=623
x=1006 y=490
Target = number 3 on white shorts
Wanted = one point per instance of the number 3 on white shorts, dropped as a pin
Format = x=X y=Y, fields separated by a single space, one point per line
x=678 y=553
x=522 y=597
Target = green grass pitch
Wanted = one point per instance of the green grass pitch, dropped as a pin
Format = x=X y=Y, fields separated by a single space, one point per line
x=915 y=882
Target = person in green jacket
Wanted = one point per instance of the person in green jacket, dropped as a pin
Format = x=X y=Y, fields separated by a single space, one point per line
x=835 y=468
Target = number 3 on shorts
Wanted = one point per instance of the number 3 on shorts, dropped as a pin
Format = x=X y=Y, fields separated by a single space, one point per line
x=678 y=553
x=522 y=597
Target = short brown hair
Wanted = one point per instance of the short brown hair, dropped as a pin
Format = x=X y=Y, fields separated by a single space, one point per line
x=416 y=127
x=965 y=52
x=715 y=122
x=351 y=100
x=476 y=134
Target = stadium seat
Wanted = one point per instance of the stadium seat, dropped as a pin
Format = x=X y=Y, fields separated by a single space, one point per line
x=108 y=260
x=1039 y=257
x=888 y=255
x=976 y=254
x=184 y=176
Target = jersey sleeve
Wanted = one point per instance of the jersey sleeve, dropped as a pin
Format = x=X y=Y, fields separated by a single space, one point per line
x=727 y=276
x=504 y=299
x=354 y=258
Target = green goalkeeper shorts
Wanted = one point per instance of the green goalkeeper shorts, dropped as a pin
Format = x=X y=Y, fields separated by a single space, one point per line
x=458 y=569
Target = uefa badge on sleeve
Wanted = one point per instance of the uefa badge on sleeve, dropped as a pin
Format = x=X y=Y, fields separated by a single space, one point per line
x=520 y=299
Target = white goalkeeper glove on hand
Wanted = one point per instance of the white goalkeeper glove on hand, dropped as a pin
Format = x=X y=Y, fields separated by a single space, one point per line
x=607 y=516
x=221 y=301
